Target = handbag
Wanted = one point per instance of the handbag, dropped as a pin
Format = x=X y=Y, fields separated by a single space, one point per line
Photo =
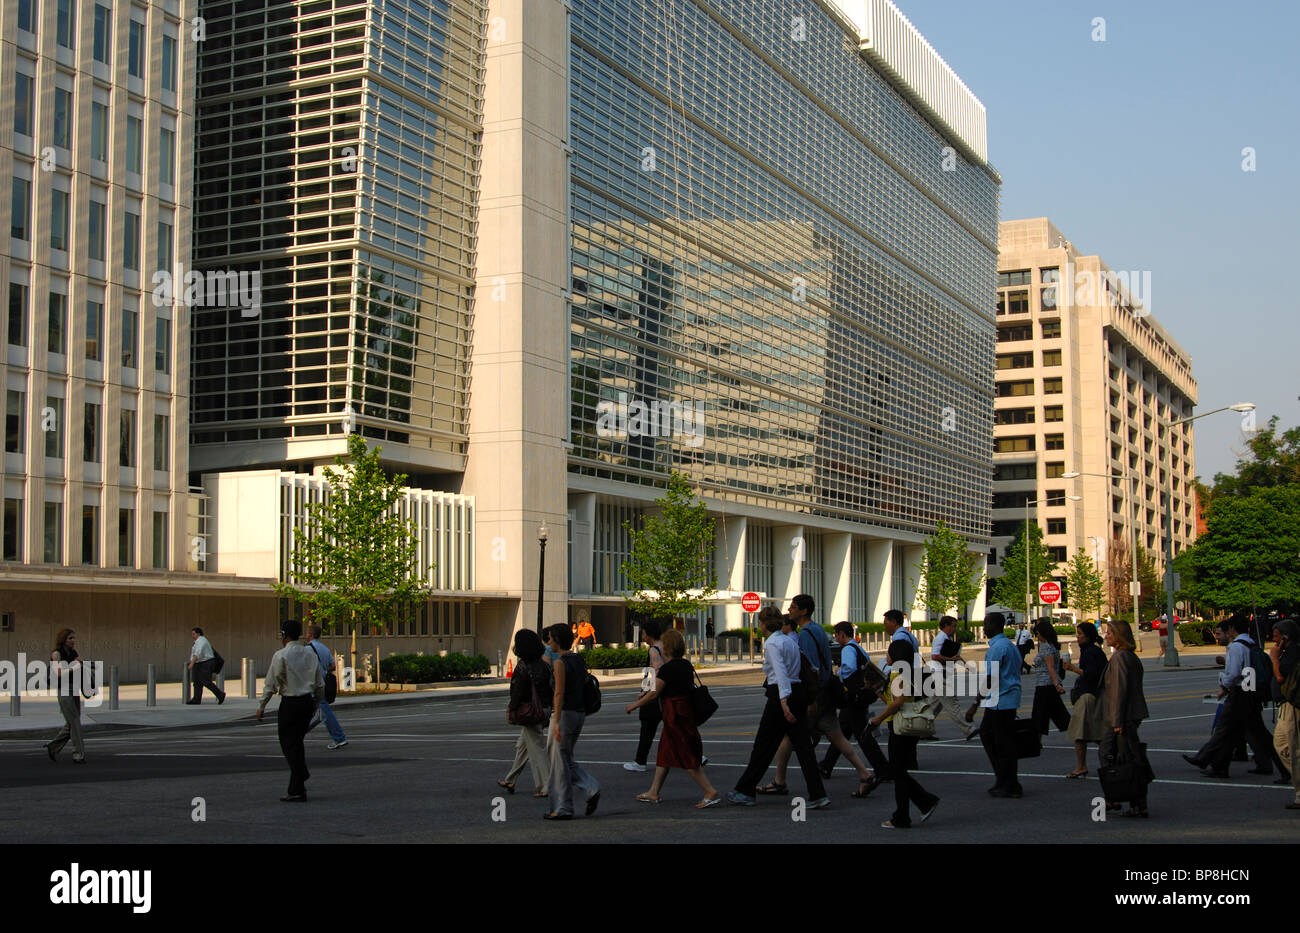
x=218 y=662
x=530 y=712
x=915 y=718
x=702 y=703
x=1029 y=742
x=1125 y=778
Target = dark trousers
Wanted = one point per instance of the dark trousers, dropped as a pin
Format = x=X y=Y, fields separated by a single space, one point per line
x=902 y=759
x=293 y=718
x=1048 y=708
x=200 y=677
x=650 y=717
x=853 y=723
x=772 y=728
x=998 y=736
x=1240 y=719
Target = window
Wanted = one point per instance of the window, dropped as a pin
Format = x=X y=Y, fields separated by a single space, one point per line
x=1012 y=334
x=130 y=331
x=162 y=353
x=159 y=540
x=131 y=241
x=1058 y=555
x=53 y=533
x=1054 y=413
x=1007 y=529
x=66 y=26
x=90 y=434
x=1051 y=357
x=161 y=446
x=17 y=314
x=1055 y=496
x=1007 y=389
x=1003 y=445
x=1048 y=299
x=13 y=529
x=126 y=537
x=99 y=131
x=1053 y=386
x=1015 y=360
x=1012 y=500
x=167 y=156
x=126 y=452
x=22 y=208
x=1013 y=471
x=168 y=64
x=97 y=225
x=1019 y=277
x=63 y=116
x=15 y=421
x=1055 y=470
x=90 y=535
x=1056 y=526
x=52 y=427
x=1017 y=302
x=24 y=95
x=103 y=33
x=1013 y=416
x=1050 y=274
x=163 y=259
x=134 y=140
x=135 y=50
x=1051 y=330
x=1054 y=442
x=26 y=21
x=58 y=219
x=58 y=323
x=94 y=329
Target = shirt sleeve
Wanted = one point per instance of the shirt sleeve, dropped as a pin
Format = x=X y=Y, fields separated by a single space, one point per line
x=848 y=662
x=773 y=651
x=274 y=674
x=318 y=683
x=1236 y=660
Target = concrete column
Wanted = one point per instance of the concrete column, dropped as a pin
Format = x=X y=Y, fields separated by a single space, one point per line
x=913 y=558
x=880 y=575
x=837 y=555
x=582 y=511
x=787 y=562
x=729 y=564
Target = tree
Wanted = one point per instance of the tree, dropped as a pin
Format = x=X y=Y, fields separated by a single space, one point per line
x=1119 y=572
x=968 y=584
x=1272 y=461
x=355 y=559
x=1009 y=589
x=672 y=555
x=947 y=573
x=1087 y=589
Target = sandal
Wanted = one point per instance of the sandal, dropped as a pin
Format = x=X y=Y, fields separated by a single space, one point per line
x=540 y=796
x=782 y=790
x=865 y=788
x=709 y=802
x=508 y=785
x=646 y=798
x=1073 y=775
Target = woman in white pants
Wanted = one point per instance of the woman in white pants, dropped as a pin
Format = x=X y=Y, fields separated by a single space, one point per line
x=531 y=681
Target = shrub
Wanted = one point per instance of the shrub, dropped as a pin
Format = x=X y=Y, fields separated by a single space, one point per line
x=431 y=668
x=1197 y=633
x=613 y=658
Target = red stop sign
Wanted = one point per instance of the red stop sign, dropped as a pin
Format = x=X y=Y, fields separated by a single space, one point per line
x=750 y=602
x=1049 y=592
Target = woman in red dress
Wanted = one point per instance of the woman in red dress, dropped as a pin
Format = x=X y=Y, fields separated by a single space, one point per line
x=679 y=743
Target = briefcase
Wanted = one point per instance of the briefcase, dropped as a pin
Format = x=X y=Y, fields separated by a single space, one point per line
x=1029 y=742
x=1125 y=778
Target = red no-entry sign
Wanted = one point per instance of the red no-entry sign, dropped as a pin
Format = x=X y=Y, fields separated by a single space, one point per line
x=1049 y=592
x=750 y=602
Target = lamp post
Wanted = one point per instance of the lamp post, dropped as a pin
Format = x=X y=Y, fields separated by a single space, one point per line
x=1171 y=653
x=1029 y=586
x=542 y=534
x=1132 y=517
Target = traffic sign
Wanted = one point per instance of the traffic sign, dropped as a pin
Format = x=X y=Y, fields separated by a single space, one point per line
x=750 y=602
x=1049 y=592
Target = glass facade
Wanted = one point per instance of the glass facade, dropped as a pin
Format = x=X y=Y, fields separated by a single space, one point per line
x=782 y=256
x=338 y=152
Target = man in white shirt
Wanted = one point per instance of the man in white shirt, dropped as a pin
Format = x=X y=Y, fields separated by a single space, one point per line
x=202 y=660
x=944 y=661
x=294 y=674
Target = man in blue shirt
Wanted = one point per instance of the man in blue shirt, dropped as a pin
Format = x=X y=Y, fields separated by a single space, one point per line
x=853 y=718
x=326 y=658
x=895 y=629
x=998 y=728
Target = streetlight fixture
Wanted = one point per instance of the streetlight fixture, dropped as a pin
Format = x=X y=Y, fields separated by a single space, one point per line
x=1171 y=652
x=542 y=534
x=1029 y=585
x=1132 y=528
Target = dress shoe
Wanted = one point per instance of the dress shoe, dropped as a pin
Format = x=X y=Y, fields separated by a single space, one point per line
x=1211 y=773
x=294 y=798
x=1260 y=771
x=1282 y=779
x=1193 y=761
x=593 y=802
x=221 y=699
x=557 y=816
x=191 y=702
x=49 y=750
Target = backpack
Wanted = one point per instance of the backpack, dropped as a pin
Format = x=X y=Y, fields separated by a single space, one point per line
x=862 y=693
x=1267 y=689
x=590 y=694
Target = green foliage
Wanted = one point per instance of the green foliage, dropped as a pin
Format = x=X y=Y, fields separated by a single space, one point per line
x=1248 y=554
x=1009 y=589
x=1273 y=461
x=611 y=658
x=431 y=668
x=948 y=573
x=672 y=554
x=1197 y=633
x=1087 y=588
x=355 y=559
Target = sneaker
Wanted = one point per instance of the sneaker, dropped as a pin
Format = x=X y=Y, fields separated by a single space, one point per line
x=821 y=803
x=633 y=766
x=930 y=812
x=337 y=744
x=593 y=802
x=743 y=800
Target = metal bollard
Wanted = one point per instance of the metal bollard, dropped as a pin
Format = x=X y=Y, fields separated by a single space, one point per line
x=251 y=678
x=501 y=664
x=185 y=684
x=151 y=687
x=15 y=702
x=112 y=687
x=220 y=681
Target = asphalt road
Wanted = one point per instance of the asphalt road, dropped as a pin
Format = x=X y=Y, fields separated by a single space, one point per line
x=427 y=774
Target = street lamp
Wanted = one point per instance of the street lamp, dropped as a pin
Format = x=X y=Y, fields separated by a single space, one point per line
x=1132 y=528
x=542 y=534
x=1029 y=584
x=1171 y=653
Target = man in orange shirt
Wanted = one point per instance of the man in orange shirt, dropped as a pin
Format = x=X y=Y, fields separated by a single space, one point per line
x=586 y=634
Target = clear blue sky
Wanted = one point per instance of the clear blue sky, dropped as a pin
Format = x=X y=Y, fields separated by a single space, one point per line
x=1132 y=146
